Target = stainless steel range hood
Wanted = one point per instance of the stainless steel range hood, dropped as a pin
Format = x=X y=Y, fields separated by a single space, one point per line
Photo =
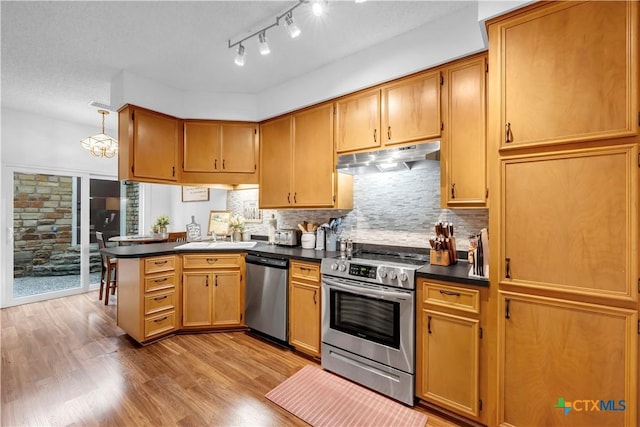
x=390 y=159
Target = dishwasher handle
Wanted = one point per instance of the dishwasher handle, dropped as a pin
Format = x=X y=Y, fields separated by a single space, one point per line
x=269 y=262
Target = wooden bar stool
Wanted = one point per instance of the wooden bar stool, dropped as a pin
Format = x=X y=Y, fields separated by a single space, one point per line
x=108 y=275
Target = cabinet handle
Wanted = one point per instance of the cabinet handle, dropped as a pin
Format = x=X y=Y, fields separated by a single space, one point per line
x=295 y=197
x=289 y=198
x=160 y=262
x=223 y=164
x=507 y=311
x=453 y=190
x=215 y=164
x=216 y=281
x=389 y=133
x=375 y=135
x=162 y=319
x=507 y=273
x=429 y=324
x=314 y=297
x=173 y=171
x=160 y=298
x=453 y=294
x=164 y=279
x=508 y=133
x=212 y=260
x=206 y=281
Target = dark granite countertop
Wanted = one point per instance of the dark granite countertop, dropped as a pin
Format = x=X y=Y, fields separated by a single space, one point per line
x=457 y=273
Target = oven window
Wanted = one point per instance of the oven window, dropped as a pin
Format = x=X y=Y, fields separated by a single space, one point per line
x=365 y=317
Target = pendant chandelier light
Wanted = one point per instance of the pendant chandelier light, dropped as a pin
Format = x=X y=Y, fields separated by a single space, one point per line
x=101 y=145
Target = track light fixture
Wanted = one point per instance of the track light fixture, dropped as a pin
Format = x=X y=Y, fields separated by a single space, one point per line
x=317 y=7
x=240 y=55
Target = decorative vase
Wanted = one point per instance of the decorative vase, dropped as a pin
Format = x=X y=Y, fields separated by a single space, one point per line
x=163 y=231
x=236 y=236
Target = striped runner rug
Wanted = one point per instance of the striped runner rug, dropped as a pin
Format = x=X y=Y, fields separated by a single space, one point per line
x=323 y=399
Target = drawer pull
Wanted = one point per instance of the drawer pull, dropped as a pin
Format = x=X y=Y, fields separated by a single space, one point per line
x=164 y=279
x=160 y=298
x=305 y=269
x=212 y=260
x=453 y=294
x=162 y=319
x=429 y=324
x=161 y=262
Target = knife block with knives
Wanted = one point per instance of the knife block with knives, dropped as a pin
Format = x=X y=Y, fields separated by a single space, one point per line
x=443 y=245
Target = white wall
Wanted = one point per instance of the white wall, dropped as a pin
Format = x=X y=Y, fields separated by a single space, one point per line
x=161 y=199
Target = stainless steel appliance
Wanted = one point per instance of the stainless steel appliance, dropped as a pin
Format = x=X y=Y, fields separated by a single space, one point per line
x=267 y=296
x=368 y=321
x=287 y=237
x=389 y=159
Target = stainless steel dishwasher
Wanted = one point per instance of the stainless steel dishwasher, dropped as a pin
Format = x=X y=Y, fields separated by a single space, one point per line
x=267 y=296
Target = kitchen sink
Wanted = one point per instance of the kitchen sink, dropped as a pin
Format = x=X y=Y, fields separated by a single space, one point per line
x=216 y=245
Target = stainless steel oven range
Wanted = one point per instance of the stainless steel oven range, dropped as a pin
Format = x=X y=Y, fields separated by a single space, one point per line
x=368 y=321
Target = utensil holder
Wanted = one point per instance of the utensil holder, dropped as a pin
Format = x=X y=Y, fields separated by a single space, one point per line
x=308 y=240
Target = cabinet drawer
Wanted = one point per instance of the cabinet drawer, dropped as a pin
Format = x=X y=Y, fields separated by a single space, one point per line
x=305 y=271
x=448 y=296
x=159 y=324
x=156 y=283
x=212 y=261
x=158 y=302
x=159 y=264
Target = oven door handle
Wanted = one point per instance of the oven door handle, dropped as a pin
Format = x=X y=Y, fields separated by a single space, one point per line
x=368 y=292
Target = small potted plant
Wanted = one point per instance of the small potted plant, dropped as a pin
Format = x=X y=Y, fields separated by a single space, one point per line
x=236 y=224
x=161 y=225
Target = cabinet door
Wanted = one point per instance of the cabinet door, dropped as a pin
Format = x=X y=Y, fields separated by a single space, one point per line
x=201 y=147
x=570 y=222
x=313 y=183
x=196 y=298
x=238 y=146
x=155 y=144
x=411 y=109
x=568 y=71
x=449 y=370
x=554 y=351
x=464 y=140
x=275 y=163
x=304 y=317
x=358 y=122
x=227 y=299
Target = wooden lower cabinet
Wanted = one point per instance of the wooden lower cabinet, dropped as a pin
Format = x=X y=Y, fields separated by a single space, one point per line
x=304 y=307
x=566 y=363
x=213 y=290
x=148 y=294
x=448 y=337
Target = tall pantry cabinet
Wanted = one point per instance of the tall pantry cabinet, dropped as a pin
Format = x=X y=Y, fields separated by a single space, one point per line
x=563 y=155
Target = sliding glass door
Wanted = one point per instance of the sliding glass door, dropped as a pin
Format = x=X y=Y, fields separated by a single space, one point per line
x=54 y=217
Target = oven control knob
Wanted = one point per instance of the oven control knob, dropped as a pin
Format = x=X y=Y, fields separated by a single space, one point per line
x=393 y=275
x=334 y=266
x=343 y=267
x=403 y=277
x=382 y=273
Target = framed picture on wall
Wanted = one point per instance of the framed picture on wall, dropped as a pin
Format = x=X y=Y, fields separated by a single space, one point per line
x=195 y=194
x=219 y=222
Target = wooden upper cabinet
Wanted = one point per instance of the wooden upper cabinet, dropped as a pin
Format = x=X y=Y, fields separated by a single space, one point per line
x=201 y=149
x=238 y=147
x=570 y=222
x=357 y=124
x=211 y=146
x=148 y=145
x=463 y=153
x=567 y=71
x=276 y=141
x=410 y=109
x=313 y=166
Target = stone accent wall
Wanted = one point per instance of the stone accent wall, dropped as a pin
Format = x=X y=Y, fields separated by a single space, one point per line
x=42 y=216
x=132 y=190
x=393 y=208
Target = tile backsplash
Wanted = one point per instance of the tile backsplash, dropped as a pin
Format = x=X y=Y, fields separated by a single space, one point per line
x=393 y=208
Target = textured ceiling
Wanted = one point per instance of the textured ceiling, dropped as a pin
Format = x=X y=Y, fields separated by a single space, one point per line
x=57 y=56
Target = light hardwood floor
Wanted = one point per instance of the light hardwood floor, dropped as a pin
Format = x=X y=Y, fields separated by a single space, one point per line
x=65 y=362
